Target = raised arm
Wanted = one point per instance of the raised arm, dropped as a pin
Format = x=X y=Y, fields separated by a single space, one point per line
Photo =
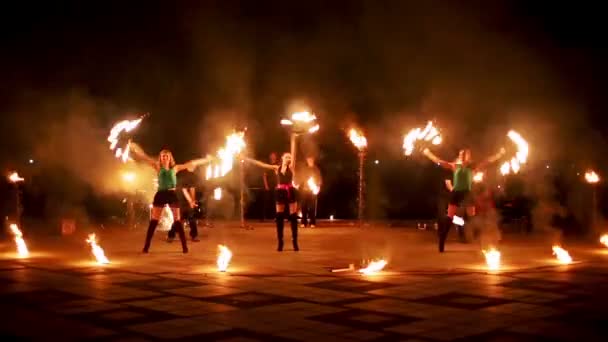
x=435 y=159
x=193 y=163
x=260 y=164
x=491 y=160
x=137 y=150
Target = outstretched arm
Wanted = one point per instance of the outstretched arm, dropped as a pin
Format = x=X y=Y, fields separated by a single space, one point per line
x=435 y=159
x=193 y=163
x=262 y=165
x=136 y=149
x=491 y=160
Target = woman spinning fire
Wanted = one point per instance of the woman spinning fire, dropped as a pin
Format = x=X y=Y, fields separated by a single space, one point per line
x=462 y=184
x=285 y=195
x=167 y=171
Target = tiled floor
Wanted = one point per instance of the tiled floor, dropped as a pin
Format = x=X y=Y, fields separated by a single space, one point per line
x=271 y=296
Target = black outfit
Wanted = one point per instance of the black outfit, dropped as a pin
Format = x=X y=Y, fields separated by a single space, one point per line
x=308 y=200
x=161 y=198
x=462 y=198
x=269 y=200
x=285 y=194
x=166 y=197
x=185 y=181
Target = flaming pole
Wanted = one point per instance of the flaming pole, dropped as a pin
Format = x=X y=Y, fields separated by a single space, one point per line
x=361 y=186
x=16 y=179
x=592 y=178
x=242 y=199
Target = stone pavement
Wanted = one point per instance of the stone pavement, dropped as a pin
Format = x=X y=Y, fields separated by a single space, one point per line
x=59 y=293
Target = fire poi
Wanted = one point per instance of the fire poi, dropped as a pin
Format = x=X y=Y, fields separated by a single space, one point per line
x=373 y=267
x=97 y=251
x=22 y=250
x=429 y=134
x=235 y=143
x=118 y=134
x=492 y=258
x=521 y=156
x=223 y=258
x=562 y=255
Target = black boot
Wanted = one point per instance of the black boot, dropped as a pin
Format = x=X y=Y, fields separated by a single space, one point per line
x=442 y=232
x=293 y=219
x=151 y=228
x=179 y=228
x=280 y=225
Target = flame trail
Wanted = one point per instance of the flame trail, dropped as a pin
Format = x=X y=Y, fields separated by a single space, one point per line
x=429 y=134
x=521 y=156
x=357 y=139
x=492 y=258
x=373 y=267
x=22 y=250
x=223 y=258
x=562 y=255
x=97 y=251
x=117 y=130
x=217 y=194
x=235 y=143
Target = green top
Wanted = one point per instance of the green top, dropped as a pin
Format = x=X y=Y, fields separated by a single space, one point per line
x=463 y=178
x=166 y=179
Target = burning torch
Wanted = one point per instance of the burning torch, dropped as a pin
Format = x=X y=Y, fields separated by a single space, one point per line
x=360 y=142
x=300 y=123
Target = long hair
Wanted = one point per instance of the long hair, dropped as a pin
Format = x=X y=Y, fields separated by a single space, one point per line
x=171 y=159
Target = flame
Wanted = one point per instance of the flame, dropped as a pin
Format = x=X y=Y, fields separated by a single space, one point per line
x=373 y=267
x=123 y=126
x=505 y=168
x=21 y=246
x=217 y=194
x=591 y=177
x=604 y=239
x=357 y=139
x=128 y=176
x=521 y=156
x=492 y=258
x=562 y=255
x=430 y=134
x=303 y=117
x=235 y=143
x=97 y=250
x=313 y=186
x=223 y=258
x=286 y=122
x=478 y=177
x=457 y=220
x=14 y=178
x=314 y=128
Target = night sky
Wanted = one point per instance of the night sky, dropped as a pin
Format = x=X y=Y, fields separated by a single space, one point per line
x=203 y=67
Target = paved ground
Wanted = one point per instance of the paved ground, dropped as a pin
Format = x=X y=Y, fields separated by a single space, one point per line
x=271 y=296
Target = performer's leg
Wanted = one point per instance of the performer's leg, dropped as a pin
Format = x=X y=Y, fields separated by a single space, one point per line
x=304 y=208
x=444 y=226
x=152 y=227
x=293 y=218
x=313 y=213
x=193 y=228
x=280 y=217
x=179 y=228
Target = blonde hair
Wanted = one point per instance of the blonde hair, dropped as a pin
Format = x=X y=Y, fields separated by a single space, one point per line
x=171 y=159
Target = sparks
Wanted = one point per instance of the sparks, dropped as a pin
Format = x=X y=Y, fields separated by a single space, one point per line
x=591 y=177
x=125 y=126
x=373 y=267
x=562 y=255
x=357 y=139
x=429 y=134
x=604 y=240
x=313 y=186
x=15 y=178
x=97 y=251
x=21 y=246
x=492 y=258
x=235 y=144
x=223 y=258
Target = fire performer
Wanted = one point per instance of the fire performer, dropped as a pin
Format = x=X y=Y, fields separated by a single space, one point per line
x=167 y=171
x=308 y=198
x=285 y=196
x=186 y=184
x=463 y=170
